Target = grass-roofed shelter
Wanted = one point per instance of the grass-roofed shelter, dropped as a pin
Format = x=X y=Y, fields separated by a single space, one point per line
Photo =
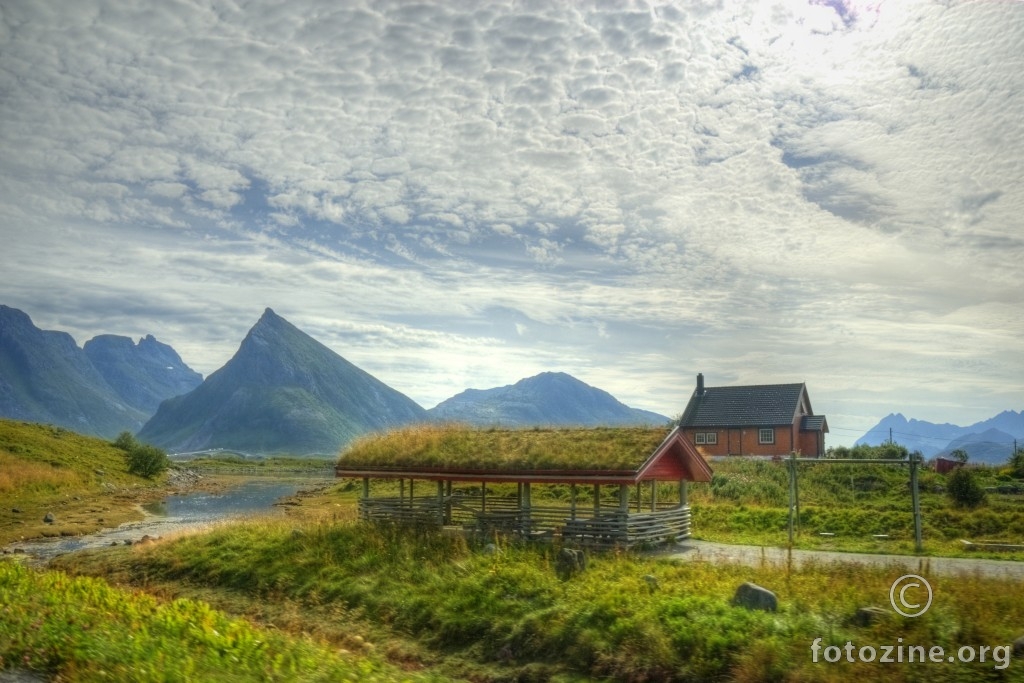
x=458 y=464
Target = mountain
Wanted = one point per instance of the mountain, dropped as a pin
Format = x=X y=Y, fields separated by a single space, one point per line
x=143 y=375
x=932 y=439
x=45 y=377
x=991 y=446
x=550 y=398
x=282 y=392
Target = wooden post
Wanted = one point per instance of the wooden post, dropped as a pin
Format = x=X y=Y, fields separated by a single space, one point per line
x=483 y=496
x=366 y=488
x=441 y=517
x=916 y=500
x=791 y=466
x=597 y=499
x=638 y=497
x=682 y=493
x=654 y=496
x=401 y=492
x=572 y=501
x=623 y=498
x=526 y=508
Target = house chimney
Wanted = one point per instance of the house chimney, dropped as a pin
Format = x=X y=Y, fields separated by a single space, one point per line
x=700 y=384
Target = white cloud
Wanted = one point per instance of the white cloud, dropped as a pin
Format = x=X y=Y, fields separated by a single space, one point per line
x=716 y=186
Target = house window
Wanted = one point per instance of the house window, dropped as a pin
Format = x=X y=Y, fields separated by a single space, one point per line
x=712 y=438
x=699 y=438
x=705 y=438
x=766 y=435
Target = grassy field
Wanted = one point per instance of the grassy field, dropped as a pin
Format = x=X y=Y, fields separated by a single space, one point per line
x=461 y=610
x=82 y=481
x=747 y=502
x=82 y=629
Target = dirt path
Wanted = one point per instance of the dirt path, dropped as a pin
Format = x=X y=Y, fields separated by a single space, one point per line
x=751 y=555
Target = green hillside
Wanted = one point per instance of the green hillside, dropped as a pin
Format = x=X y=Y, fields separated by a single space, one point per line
x=82 y=480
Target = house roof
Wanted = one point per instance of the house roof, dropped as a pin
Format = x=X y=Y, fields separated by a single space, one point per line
x=764 y=404
x=813 y=423
x=612 y=455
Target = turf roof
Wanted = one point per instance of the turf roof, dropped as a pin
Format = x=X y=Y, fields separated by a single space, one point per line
x=447 y=447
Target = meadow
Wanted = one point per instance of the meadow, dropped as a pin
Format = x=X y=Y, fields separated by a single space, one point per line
x=498 y=611
x=319 y=595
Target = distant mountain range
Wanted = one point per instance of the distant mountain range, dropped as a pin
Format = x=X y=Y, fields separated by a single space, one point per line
x=111 y=385
x=282 y=392
x=989 y=441
x=550 y=398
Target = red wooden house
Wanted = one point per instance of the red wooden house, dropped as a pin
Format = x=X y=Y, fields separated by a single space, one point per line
x=765 y=419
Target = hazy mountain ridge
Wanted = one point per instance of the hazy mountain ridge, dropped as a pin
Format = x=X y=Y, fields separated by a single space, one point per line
x=143 y=375
x=282 y=392
x=550 y=398
x=982 y=440
x=45 y=377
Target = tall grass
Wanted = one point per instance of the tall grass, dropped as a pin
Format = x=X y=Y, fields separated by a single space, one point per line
x=505 y=614
x=82 y=629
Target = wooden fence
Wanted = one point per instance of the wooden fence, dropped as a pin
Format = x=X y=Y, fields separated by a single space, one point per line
x=505 y=516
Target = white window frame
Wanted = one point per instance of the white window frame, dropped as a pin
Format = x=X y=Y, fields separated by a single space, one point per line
x=699 y=438
x=711 y=438
x=766 y=435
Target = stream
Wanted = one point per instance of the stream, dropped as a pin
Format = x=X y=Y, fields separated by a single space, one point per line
x=175 y=513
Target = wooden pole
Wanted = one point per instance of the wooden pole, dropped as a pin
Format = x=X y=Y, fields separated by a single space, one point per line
x=916 y=501
x=440 y=503
x=623 y=498
x=597 y=499
x=792 y=494
x=654 y=496
x=572 y=501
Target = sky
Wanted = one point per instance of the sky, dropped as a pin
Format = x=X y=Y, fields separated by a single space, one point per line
x=463 y=194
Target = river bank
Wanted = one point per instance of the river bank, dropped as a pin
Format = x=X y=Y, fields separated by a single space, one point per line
x=189 y=502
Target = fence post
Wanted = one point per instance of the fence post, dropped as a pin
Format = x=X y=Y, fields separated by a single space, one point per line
x=916 y=500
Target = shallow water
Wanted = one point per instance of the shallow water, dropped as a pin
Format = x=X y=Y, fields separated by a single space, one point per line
x=252 y=496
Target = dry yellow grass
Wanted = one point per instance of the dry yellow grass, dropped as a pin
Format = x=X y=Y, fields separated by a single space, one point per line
x=25 y=476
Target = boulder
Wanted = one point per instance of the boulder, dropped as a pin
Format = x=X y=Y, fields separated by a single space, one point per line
x=752 y=596
x=865 y=616
x=570 y=562
x=1018 y=646
x=49 y=518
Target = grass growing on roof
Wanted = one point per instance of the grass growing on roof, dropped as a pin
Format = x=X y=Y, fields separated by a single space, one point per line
x=455 y=446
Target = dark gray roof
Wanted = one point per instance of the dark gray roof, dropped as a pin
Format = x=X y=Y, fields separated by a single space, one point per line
x=763 y=404
x=813 y=423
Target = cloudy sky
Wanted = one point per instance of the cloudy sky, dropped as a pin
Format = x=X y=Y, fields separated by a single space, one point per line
x=463 y=194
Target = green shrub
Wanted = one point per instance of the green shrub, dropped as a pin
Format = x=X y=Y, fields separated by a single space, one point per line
x=1017 y=463
x=964 y=489
x=143 y=459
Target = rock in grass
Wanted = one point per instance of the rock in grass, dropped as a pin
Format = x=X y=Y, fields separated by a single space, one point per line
x=865 y=616
x=49 y=518
x=1018 y=647
x=570 y=562
x=752 y=596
